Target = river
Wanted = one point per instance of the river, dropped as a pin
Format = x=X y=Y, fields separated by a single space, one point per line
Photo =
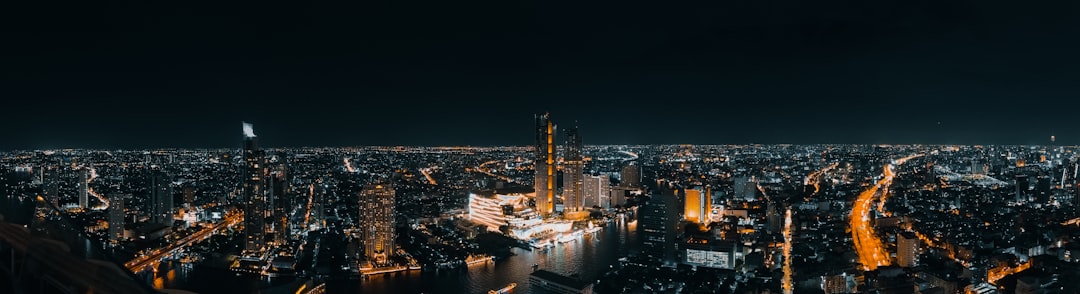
x=589 y=257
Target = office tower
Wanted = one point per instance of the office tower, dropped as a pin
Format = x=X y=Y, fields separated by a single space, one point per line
x=597 y=191
x=545 y=165
x=1021 y=188
x=377 y=222
x=279 y=195
x=907 y=249
x=658 y=224
x=161 y=198
x=253 y=191
x=697 y=204
x=83 y=185
x=631 y=175
x=573 y=173
x=116 y=218
x=51 y=183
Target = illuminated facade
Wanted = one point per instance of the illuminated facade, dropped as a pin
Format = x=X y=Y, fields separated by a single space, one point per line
x=490 y=212
x=254 y=192
x=84 y=181
x=631 y=175
x=545 y=165
x=116 y=218
x=907 y=249
x=697 y=205
x=573 y=172
x=377 y=222
x=161 y=198
x=597 y=191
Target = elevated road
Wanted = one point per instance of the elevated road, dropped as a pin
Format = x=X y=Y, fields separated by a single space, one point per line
x=147 y=260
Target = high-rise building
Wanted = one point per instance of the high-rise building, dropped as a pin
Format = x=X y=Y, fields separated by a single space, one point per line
x=597 y=191
x=1021 y=188
x=84 y=189
x=279 y=195
x=545 y=165
x=377 y=222
x=1043 y=189
x=573 y=172
x=254 y=192
x=51 y=186
x=116 y=218
x=697 y=205
x=631 y=175
x=658 y=224
x=161 y=198
x=907 y=249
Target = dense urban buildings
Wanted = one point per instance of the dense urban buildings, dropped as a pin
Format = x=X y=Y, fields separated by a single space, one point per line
x=622 y=218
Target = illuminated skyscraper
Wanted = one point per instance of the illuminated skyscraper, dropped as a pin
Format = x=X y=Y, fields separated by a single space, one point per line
x=545 y=165
x=597 y=191
x=377 y=222
x=907 y=249
x=83 y=185
x=573 y=172
x=631 y=175
x=116 y=217
x=161 y=198
x=281 y=204
x=658 y=222
x=697 y=205
x=254 y=192
x=51 y=186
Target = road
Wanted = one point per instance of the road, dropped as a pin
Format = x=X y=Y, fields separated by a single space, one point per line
x=481 y=169
x=786 y=284
x=814 y=178
x=871 y=250
x=93 y=175
x=427 y=174
x=140 y=263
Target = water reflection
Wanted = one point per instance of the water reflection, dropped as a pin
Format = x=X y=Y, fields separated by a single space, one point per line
x=588 y=256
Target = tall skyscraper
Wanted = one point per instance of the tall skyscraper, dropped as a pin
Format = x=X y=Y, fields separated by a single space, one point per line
x=279 y=195
x=573 y=172
x=83 y=185
x=597 y=191
x=189 y=196
x=907 y=249
x=51 y=186
x=697 y=205
x=545 y=165
x=254 y=192
x=116 y=217
x=658 y=224
x=161 y=198
x=377 y=222
x=631 y=175
x=1021 y=188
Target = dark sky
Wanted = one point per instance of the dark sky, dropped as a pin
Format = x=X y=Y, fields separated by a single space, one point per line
x=135 y=74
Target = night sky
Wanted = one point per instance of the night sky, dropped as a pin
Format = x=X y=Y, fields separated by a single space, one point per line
x=185 y=73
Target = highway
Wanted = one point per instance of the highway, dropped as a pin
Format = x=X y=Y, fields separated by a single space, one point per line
x=140 y=263
x=871 y=250
x=814 y=178
x=483 y=170
x=427 y=174
x=93 y=175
